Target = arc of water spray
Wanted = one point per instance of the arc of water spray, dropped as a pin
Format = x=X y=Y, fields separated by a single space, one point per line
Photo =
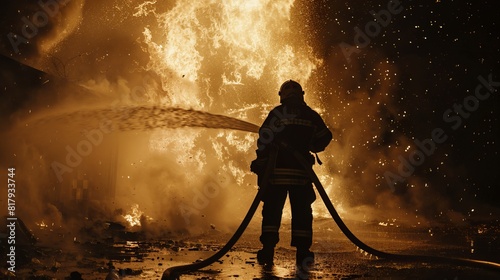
x=145 y=117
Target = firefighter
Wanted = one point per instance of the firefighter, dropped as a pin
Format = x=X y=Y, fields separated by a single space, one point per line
x=302 y=129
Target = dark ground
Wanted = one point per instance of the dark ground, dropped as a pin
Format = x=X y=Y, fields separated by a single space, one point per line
x=117 y=253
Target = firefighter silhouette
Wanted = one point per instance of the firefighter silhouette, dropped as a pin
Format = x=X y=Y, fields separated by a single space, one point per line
x=302 y=129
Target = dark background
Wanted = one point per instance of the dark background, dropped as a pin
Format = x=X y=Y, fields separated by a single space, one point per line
x=440 y=48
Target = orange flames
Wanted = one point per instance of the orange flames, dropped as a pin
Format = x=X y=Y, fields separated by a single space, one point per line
x=222 y=57
x=210 y=55
x=134 y=216
x=244 y=40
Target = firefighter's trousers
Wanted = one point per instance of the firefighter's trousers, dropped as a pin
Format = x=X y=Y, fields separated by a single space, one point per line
x=301 y=198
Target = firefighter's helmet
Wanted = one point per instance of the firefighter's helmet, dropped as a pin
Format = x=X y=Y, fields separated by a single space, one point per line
x=290 y=88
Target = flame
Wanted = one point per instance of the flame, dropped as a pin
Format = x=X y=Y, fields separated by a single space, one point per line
x=42 y=224
x=244 y=40
x=222 y=56
x=134 y=217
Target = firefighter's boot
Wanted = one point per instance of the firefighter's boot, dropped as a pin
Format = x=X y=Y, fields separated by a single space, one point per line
x=265 y=256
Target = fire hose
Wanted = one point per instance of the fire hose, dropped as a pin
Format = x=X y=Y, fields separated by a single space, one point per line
x=173 y=273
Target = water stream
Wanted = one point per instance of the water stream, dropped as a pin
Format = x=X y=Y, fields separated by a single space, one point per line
x=142 y=118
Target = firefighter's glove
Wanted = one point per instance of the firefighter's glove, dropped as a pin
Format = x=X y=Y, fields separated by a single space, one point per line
x=258 y=166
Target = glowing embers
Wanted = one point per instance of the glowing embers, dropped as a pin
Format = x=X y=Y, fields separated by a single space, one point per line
x=43 y=225
x=135 y=216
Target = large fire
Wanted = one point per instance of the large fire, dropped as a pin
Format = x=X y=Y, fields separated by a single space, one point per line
x=210 y=55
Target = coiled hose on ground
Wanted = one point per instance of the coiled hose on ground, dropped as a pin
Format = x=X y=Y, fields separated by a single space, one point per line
x=173 y=273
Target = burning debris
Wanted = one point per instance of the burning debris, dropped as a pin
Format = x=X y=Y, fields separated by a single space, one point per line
x=134 y=218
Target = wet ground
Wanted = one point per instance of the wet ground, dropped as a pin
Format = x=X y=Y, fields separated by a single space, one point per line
x=119 y=254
